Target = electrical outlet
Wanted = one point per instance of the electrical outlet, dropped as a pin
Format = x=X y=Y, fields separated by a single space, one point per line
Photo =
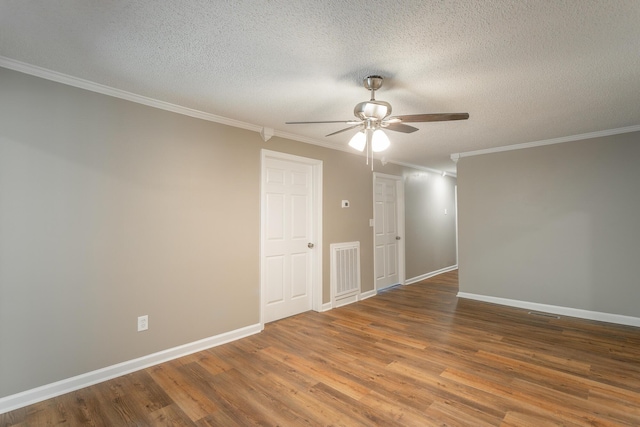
x=143 y=323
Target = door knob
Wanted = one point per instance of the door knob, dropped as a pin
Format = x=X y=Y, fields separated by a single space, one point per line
x=310 y=245
x=398 y=237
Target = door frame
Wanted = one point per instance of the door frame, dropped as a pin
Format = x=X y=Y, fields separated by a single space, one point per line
x=400 y=225
x=455 y=207
x=316 y=217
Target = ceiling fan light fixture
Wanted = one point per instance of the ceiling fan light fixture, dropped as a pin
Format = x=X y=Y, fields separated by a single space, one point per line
x=379 y=141
x=358 y=141
x=373 y=115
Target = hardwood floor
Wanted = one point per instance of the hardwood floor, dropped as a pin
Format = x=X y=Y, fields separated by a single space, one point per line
x=411 y=356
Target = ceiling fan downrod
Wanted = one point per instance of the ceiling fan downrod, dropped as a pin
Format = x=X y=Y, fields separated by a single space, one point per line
x=372 y=109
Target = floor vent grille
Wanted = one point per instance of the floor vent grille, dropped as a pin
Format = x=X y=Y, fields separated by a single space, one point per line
x=537 y=313
x=345 y=272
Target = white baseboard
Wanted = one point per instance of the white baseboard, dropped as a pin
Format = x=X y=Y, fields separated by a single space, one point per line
x=555 y=309
x=326 y=307
x=349 y=300
x=431 y=274
x=367 y=294
x=28 y=397
x=345 y=301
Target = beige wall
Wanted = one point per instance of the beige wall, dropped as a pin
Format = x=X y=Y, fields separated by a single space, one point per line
x=110 y=210
x=554 y=225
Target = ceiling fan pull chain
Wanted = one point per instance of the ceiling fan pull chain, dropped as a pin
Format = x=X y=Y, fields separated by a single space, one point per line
x=372 y=152
x=369 y=147
x=367 y=143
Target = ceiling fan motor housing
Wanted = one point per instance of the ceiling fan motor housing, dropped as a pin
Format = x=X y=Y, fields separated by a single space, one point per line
x=376 y=110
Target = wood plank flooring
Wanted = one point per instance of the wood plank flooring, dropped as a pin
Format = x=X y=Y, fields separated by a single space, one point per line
x=411 y=356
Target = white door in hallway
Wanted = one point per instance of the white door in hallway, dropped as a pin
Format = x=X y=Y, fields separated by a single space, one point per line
x=388 y=229
x=289 y=237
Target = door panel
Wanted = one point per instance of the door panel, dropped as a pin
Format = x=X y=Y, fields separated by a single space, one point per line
x=287 y=231
x=299 y=267
x=275 y=276
x=380 y=260
x=299 y=217
x=386 y=230
x=275 y=212
x=392 y=259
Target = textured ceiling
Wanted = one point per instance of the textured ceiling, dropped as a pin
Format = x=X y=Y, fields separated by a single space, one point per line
x=524 y=70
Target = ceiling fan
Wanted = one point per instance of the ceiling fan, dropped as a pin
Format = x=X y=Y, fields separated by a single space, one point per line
x=373 y=116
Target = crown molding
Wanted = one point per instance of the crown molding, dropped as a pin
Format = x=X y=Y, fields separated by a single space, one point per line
x=424 y=168
x=349 y=150
x=55 y=76
x=312 y=141
x=265 y=133
x=457 y=156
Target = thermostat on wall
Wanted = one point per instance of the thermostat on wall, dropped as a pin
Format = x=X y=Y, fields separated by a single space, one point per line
x=345 y=203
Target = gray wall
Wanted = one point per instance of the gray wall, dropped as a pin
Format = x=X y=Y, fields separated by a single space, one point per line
x=110 y=210
x=430 y=243
x=555 y=225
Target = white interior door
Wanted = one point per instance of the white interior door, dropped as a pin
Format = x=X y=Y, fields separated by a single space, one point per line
x=289 y=236
x=388 y=217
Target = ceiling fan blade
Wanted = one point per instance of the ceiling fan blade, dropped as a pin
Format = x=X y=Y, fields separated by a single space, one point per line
x=325 y=121
x=399 y=127
x=345 y=129
x=436 y=117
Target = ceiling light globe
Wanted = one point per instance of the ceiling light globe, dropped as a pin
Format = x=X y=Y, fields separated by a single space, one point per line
x=380 y=141
x=358 y=141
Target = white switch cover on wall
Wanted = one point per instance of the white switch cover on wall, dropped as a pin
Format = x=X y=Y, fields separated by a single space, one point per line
x=345 y=203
